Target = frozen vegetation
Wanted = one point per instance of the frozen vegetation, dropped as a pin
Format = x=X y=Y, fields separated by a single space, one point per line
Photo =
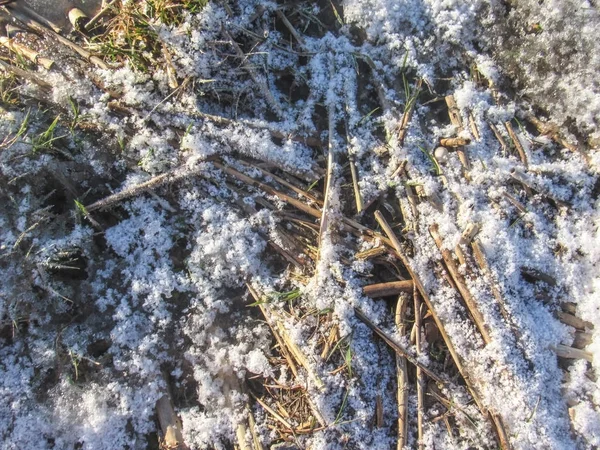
x=231 y=284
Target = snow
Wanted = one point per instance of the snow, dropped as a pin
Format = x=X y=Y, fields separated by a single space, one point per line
x=167 y=274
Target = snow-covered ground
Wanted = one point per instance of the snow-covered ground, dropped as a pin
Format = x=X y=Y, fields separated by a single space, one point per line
x=106 y=308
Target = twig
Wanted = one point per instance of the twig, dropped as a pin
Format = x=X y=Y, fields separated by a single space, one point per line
x=461 y=285
x=290 y=27
x=402 y=374
x=330 y=163
x=499 y=137
x=99 y=14
x=456 y=120
x=168 y=177
x=357 y=194
x=34 y=24
x=31 y=55
x=457 y=360
x=388 y=289
x=26 y=75
x=252 y=425
x=454 y=142
x=421 y=382
x=516 y=141
x=259 y=80
x=311 y=141
x=397 y=347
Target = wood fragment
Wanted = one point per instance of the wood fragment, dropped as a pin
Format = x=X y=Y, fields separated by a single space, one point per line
x=371 y=253
x=551 y=130
x=240 y=434
x=564 y=351
x=272 y=412
x=530 y=186
x=574 y=321
x=402 y=374
x=379 y=411
x=26 y=76
x=483 y=265
x=169 y=424
x=51 y=31
x=465 y=239
x=473 y=127
x=454 y=142
x=388 y=289
x=255 y=438
x=78 y=19
x=282 y=348
x=25 y=52
x=461 y=286
x=456 y=120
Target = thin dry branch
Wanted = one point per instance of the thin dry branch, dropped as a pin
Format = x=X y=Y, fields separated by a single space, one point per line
x=402 y=374
x=291 y=28
x=517 y=142
x=425 y=295
x=388 y=289
x=311 y=141
x=258 y=79
x=357 y=195
x=421 y=381
x=499 y=137
x=397 y=347
x=461 y=286
x=171 y=176
x=46 y=29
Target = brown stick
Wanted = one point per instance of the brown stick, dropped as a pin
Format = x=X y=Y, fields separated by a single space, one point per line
x=402 y=374
x=388 y=289
x=421 y=381
x=461 y=285
x=169 y=424
x=454 y=142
